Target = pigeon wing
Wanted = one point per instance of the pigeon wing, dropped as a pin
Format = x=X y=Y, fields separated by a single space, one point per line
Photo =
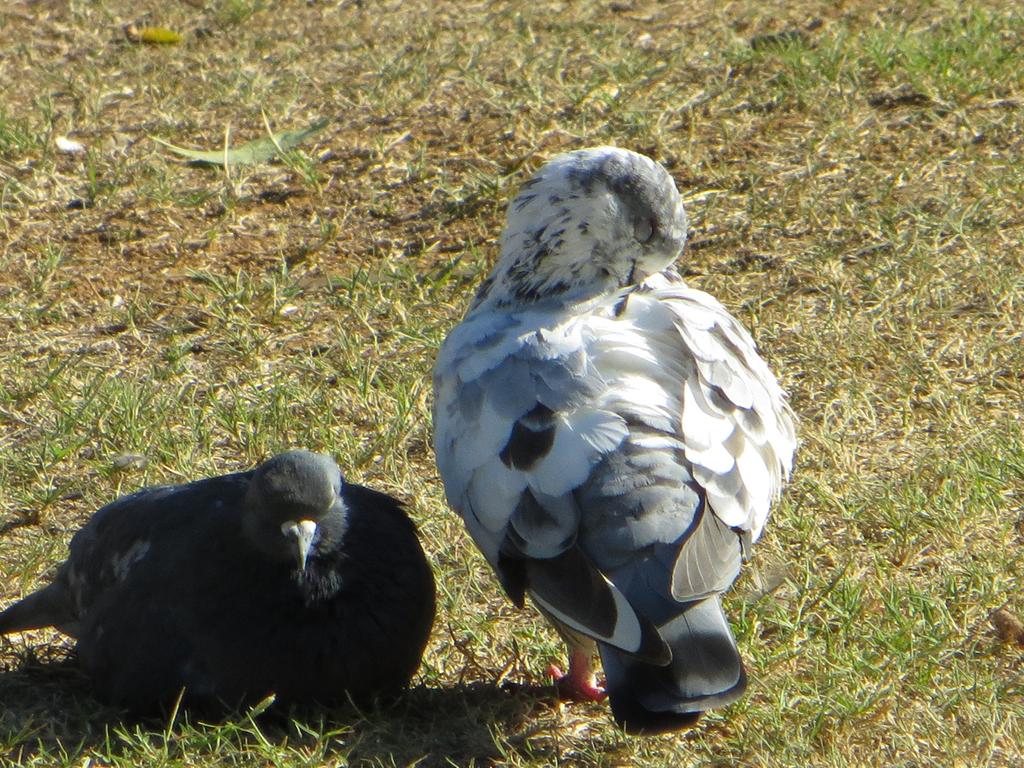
x=516 y=432
x=736 y=430
x=96 y=556
x=103 y=553
x=671 y=511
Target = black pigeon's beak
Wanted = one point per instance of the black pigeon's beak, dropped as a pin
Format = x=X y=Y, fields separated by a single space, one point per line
x=303 y=531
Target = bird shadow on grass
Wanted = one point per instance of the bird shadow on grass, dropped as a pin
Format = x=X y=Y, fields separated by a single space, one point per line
x=459 y=725
x=47 y=709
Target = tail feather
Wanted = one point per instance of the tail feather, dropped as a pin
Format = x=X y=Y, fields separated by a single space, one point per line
x=48 y=607
x=706 y=671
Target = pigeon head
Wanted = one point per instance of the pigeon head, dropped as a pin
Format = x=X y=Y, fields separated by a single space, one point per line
x=294 y=506
x=588 y=223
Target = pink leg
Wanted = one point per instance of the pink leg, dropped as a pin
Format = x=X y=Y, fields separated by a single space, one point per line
x=578 y=684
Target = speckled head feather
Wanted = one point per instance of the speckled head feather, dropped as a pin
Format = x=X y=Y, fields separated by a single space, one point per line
x=588 y=222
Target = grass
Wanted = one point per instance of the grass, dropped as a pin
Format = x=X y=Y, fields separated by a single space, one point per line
x=854 y=181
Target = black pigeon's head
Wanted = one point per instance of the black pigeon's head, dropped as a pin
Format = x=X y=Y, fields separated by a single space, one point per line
x=294 y=506
x=589 y=222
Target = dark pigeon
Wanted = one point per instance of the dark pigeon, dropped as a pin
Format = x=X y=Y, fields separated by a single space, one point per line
x=281 y=580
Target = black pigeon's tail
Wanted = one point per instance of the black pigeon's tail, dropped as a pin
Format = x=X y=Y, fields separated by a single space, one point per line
x=705 y=672
x=50 y=606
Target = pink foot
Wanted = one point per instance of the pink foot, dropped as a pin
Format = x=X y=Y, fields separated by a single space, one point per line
x=578 y=684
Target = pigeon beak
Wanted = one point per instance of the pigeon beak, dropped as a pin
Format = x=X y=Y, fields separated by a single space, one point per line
x=303 y=531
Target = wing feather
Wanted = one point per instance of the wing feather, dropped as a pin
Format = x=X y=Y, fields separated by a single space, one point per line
x=530 y=416
x=737 y=429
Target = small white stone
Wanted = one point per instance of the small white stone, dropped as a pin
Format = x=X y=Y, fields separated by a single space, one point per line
x=64 y=144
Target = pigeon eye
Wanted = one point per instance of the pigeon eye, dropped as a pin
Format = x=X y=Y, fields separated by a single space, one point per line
x=643 y=230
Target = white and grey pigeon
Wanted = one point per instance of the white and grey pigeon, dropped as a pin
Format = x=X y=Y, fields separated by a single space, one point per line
x=611 y=437
x=281 y=580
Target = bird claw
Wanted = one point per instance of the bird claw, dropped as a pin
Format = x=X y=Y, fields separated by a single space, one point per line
x=576 y=685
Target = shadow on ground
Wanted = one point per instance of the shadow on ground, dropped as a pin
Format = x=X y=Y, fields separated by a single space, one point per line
x=46 y=708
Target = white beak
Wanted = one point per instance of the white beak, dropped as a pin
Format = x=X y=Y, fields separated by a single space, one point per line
x=303 y=531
